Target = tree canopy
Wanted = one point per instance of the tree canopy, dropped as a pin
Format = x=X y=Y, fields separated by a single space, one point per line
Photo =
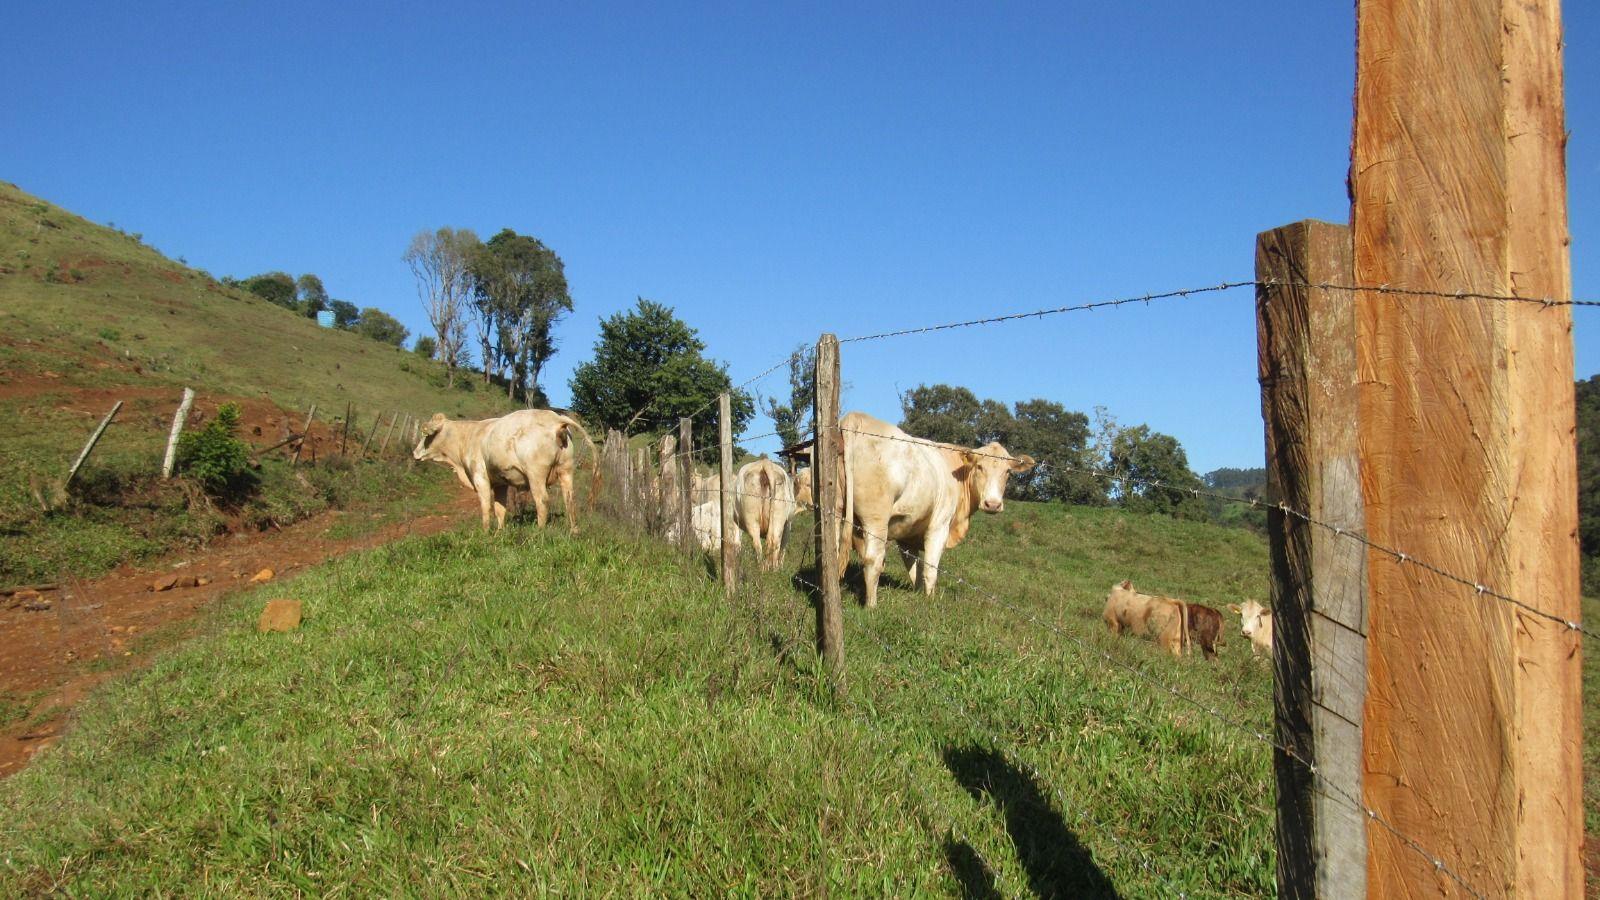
x=790 y=420
x=648 y=371
x=519 y=293
x=380 y=326
x=273 y=287
x=312 y=296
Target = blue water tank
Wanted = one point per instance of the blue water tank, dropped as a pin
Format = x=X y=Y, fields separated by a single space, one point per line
x=325 y=318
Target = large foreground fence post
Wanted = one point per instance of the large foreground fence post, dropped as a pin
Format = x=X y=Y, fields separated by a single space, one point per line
x=1473 y=726
x=826 y=465
x=730 y=550
x=1306 y=339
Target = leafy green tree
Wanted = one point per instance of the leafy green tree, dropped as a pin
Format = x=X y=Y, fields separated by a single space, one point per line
x=380 y=326
x=425 y=346
x=345 y=314
x=519 y=293
x=1142 y=456
x=1588 y=410
x=792 y=419
x=312 y=296
x=1059 y=439
x=944 y=413
x=648 y=371
x=273 y=287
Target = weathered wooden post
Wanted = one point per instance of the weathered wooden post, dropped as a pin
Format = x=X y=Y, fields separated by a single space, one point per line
x=384 y=446
x=825 y=468
x=305 y=435
x=1473 y=728
x=178 y=420
x=344 y=431
x=641 y=490
x=89 y=446
x=685 y=479
x=367 y=444
x=1306 y=340
x=730 y=550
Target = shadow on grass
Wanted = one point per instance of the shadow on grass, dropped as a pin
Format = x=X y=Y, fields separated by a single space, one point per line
x=1056 y=862
x=976 y=879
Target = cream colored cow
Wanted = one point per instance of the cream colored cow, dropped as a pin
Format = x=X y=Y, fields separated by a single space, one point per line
x=763 y=507
x=1163 y=618
x=527 y=449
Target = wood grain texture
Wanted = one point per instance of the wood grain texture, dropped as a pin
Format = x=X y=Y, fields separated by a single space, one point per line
x=1306 y=340
x=685 y=480
x=1472 y=719
x=825 y=469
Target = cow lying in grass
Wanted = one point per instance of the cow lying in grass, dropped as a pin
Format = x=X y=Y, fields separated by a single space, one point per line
x=527 y=449
x=1175 y=624
x=1256 y=624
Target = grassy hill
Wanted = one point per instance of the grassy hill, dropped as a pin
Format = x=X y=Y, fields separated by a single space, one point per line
x=504 y=715
x=90 y=315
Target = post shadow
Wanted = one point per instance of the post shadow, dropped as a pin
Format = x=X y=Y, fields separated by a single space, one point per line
x=976 y=879
x=1056 y=862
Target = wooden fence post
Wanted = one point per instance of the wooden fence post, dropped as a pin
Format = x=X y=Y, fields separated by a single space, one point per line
x=178 y=419
x=825 y=468
x=305 y=435
x=641 y=490
x=89 y=446
x=1473 y=729
x=730 y=551
x=376 y=420
x=1306 y=339
x=344 y=433
x=388 y=434
x=685 y=478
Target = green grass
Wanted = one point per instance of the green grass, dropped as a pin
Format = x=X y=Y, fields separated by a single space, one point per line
x=531 y=712
x=89 y=315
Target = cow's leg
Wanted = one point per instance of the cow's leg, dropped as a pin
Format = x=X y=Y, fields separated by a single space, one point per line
x=872 y=548
x=502 y=495
x=480 y=483
x=913 y=563
x=564 y=480
x=932 y=552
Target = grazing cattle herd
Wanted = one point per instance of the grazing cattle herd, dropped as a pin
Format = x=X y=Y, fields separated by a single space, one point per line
x=894 y=488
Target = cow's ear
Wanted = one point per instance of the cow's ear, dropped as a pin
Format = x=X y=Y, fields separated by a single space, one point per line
x=434 y=424
x=1022 y=463
x=1128 y=585
x=968 y=460
x=1234 y=607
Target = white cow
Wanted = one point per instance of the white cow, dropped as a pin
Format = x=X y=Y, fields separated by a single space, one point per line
x=1255 y=621
x=529 y=448
x=763 y=507
x=917 y=493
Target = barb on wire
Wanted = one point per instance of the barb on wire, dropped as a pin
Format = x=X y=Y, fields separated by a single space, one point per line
x=1400 y=556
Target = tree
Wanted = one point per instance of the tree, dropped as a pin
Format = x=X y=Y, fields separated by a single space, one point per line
x=519 y=292
x=648 y=371
x=1143 y=456
x=424 y=346
x=313 y=298
x=438 y=260
x=345 y=314
x=941 y=412
x=380 y=326
x=789 y=419
x=1059 y=439
x=1588 y=419
x=273 y=287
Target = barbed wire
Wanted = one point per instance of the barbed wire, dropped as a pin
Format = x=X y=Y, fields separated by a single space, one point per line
x=1400 y=556
x=1546 y=302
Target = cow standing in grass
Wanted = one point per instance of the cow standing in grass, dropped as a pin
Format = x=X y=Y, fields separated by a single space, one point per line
x=1255 y=622
x=529 y=449
x=1163 y=618
x=763 y=508
x=917 y=493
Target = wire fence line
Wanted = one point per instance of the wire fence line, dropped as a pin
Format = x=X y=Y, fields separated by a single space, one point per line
x=1399 y=556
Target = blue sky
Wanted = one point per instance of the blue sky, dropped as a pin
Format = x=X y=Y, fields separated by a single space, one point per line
x=770 y=172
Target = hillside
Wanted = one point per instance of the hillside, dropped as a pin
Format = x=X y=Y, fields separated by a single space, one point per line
x=90 y=315
x=527 y=713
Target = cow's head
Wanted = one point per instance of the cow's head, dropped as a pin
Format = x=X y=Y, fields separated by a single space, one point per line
x=1253 y=617
x=986 y=471
x=430 y=432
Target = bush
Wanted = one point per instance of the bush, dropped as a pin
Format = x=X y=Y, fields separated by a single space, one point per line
x=218 y=460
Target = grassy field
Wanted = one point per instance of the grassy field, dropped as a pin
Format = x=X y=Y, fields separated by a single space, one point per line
x=467 y=714
x=90 y=315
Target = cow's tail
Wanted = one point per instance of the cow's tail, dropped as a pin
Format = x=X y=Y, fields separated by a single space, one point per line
x=1183 y=627
x=765 y=518
x=594 y=460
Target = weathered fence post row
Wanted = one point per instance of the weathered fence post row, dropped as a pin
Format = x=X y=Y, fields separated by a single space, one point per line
x=730 y=550
x=1462 y=710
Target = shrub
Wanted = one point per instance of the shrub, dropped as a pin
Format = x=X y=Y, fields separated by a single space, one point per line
x=110 y=334
x=217 y=459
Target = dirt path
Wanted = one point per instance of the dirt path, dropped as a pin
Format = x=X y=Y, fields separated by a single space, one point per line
x=61 y=642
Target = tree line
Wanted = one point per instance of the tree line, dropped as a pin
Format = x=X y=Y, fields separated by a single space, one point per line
x=307 y=297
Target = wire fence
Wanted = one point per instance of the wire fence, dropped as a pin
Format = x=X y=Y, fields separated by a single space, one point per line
x=706 y=493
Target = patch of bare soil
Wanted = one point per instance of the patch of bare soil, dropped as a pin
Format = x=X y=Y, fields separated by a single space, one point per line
x=63 y=640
